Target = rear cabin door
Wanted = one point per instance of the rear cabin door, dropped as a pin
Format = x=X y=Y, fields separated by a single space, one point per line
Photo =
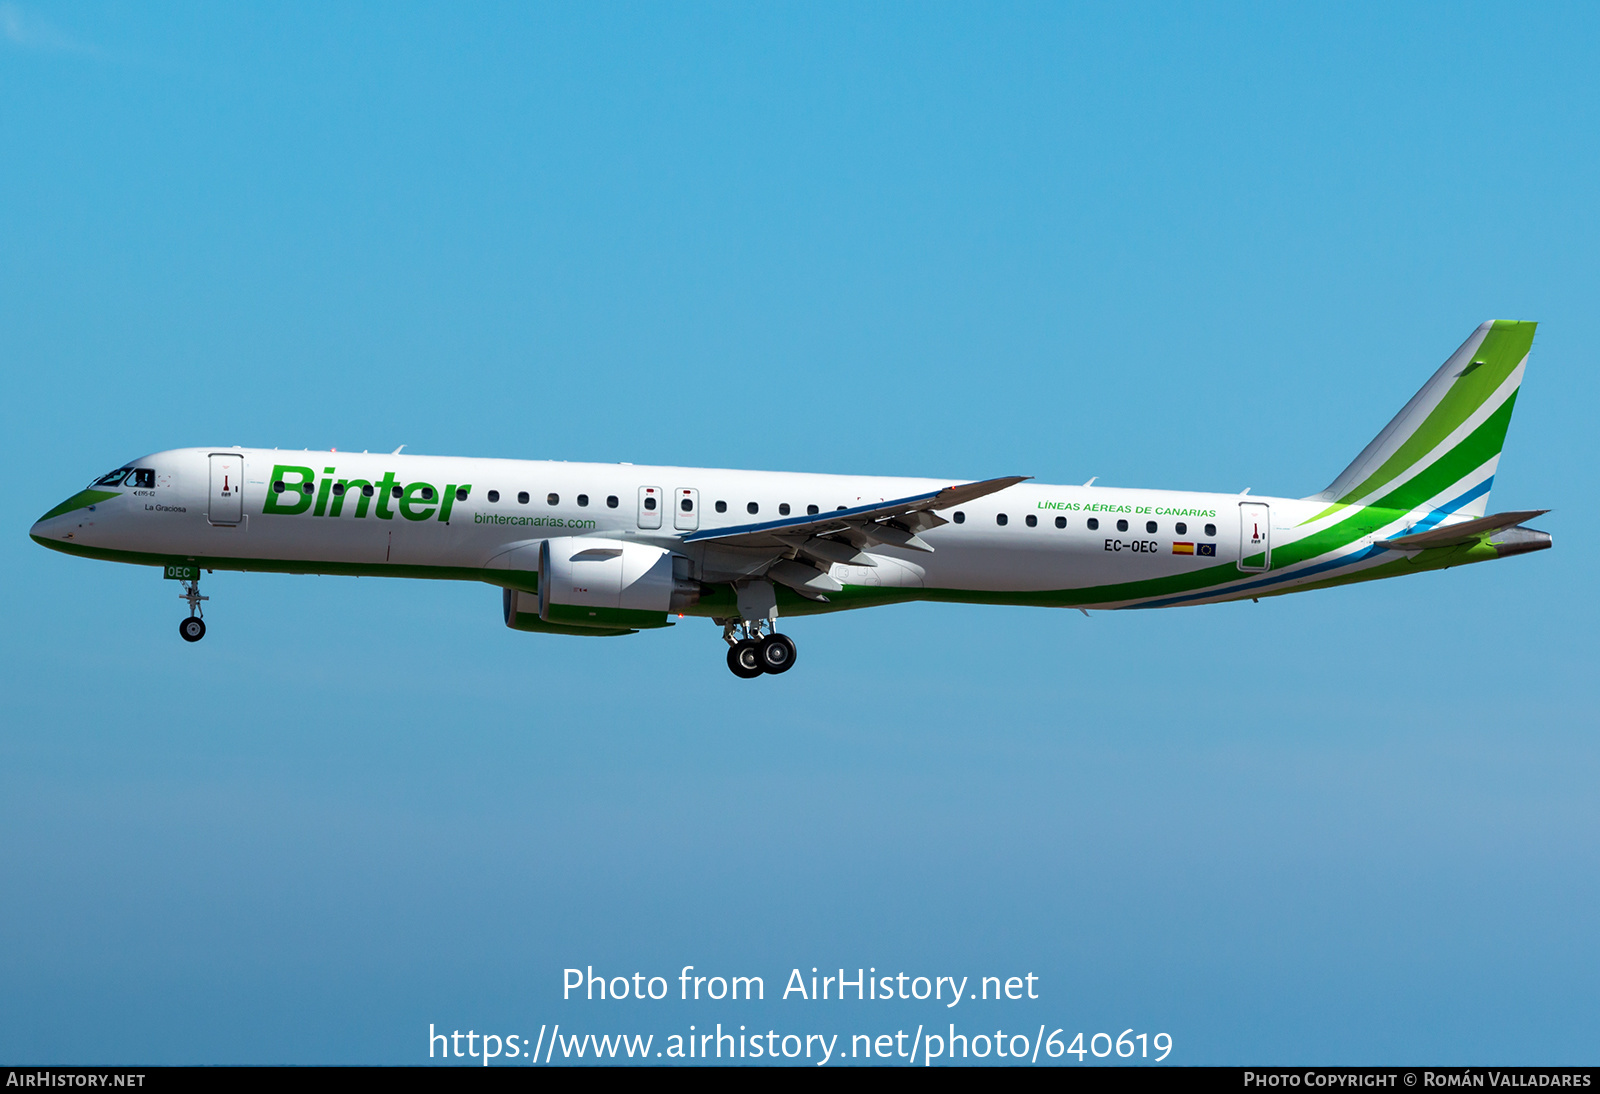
x=686 y=509
x=227 y=489
x=1255 y=536
x=650 y=506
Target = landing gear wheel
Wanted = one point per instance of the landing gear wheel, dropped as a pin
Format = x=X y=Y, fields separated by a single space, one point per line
x=194 y=628
x=777 y=653
x=744 y=659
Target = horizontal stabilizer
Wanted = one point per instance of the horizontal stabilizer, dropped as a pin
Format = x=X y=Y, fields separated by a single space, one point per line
x=1454 y=535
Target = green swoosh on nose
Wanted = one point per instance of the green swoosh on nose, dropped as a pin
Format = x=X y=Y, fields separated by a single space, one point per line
x=82 y=499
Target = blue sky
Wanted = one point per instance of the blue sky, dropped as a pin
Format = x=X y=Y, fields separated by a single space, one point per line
x=1179 y=246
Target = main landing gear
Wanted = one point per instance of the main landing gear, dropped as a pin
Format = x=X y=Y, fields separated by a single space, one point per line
x=754 y=644
x=756 y=652
x=194 y=628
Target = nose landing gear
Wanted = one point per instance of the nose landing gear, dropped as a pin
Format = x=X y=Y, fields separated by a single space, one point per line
x=194 y=628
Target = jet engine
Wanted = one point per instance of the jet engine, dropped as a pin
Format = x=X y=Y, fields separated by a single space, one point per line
x=603 y=586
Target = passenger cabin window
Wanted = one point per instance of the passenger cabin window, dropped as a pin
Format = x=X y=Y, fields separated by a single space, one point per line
x=306 y=488
x=522 y=497
x=396 y=492
x=959 y=517
x=1000 y=519
x=752 y=508
x=277 y=486
x=552 y=499
x=461 y=493
x=611 y=501
x=687 y=505
x=1211 y=529
x=1033 y=521
x=1181 y=528
x=783 y=509
x=1061 y=522
x=427 y=492
x=811 y=510
x=1094 y=524
x=722 y=507
x=1122 y=526
x=338 y=490
x=583 y=501
x=366 y=490
x=1150 y=527
x=111 y=478
x=650 y=504
x=494 y=495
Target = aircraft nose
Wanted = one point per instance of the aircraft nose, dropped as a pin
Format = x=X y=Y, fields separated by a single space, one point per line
x=45 y=529
x=50 y=525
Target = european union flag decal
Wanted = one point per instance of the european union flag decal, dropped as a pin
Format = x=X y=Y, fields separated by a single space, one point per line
x=1206 y=549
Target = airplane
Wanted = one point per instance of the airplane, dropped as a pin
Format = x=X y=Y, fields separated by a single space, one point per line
x=603 y=549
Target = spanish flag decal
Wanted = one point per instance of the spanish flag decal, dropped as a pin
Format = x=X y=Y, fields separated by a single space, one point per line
x=1183 y=548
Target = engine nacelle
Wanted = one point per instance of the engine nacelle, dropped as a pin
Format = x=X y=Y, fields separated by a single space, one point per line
x=522 y=614
x=610 y=584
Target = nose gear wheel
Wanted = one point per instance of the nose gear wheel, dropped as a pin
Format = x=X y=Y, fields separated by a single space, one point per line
x=194 y=628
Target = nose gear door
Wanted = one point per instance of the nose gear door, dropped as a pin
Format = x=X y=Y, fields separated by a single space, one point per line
x=650 y=499
x=227 y=489
x=686 y=513
x=1255 y=536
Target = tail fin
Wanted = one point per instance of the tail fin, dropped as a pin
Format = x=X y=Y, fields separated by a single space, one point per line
x=1442 y=449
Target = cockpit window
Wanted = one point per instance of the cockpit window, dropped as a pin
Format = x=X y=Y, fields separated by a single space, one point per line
x=112 y=478
x=143 y=478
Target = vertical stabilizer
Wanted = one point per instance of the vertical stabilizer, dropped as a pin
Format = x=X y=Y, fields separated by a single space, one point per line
x=1441 y=451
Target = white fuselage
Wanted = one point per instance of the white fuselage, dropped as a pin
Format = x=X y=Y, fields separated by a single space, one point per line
x=1079 y=536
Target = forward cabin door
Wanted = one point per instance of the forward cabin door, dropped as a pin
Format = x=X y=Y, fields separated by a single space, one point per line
x=686 y=509
x=650 y=506
x=227 y=489
x=1255 y=536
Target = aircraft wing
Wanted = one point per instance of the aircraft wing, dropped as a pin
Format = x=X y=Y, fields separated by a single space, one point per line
x=894 y=522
